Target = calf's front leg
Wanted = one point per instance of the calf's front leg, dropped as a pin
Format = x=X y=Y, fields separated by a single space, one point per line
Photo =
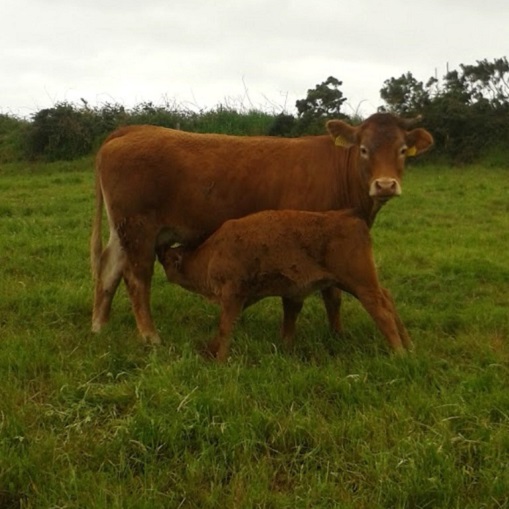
x=231 y=307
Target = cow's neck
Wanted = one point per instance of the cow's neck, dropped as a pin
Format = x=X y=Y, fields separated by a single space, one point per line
x=353 y=191
x=377 y=205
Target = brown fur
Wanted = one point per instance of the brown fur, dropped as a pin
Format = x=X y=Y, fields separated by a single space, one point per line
x=288 y=254
x=161 y=186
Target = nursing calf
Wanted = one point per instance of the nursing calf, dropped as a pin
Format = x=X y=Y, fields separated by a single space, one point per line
x=284 y=253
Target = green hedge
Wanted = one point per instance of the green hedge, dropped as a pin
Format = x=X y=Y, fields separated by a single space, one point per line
x=463 y=133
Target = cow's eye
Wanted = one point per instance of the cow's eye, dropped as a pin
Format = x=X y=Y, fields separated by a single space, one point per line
x=364 y=152
x=403 y=150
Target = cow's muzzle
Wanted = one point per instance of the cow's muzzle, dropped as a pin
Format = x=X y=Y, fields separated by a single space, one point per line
x=384 y=188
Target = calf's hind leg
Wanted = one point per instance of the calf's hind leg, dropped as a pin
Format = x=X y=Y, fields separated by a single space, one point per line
x=403 y=333
x=378 y=303
x=291 y=310
x=332 y=300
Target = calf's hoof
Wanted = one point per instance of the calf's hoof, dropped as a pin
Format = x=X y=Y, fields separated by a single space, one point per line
x=214 y=350
x=399 y=351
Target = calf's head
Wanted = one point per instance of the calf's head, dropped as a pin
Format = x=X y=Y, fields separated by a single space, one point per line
x=382 y=144
x=171 y=259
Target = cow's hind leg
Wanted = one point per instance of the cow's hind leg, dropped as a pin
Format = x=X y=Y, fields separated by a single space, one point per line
x=291 y=310
x=332 y=300
x=138 y=241
x=138 y=279
x=110 y=272
x=381 y=309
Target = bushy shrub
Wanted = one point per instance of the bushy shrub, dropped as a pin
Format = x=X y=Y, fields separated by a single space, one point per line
x=61 y=133
x=12 y=138
x=467 y=111
x=67 y=131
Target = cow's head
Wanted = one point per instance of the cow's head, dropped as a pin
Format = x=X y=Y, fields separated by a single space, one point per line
x=383 y=143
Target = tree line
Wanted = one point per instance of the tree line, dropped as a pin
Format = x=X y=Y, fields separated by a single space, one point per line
x=467 y=111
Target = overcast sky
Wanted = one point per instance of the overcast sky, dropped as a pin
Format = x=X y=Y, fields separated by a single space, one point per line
x=244 y=53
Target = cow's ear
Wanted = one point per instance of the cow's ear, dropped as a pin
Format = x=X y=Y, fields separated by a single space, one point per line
x=418 y=141
x=343 y=134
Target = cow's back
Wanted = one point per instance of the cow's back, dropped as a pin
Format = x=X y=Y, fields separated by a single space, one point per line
x=192 y=182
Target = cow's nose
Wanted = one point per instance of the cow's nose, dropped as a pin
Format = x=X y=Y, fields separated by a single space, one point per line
x=385 y=188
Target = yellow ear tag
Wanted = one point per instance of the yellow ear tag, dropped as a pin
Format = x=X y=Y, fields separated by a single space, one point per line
x=341 y=142
x=412 y=151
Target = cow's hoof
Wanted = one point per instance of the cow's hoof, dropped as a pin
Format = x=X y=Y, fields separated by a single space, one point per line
x=151 y=339
x=96 y=326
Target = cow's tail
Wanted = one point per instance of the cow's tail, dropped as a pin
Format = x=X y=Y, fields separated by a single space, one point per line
x=96 y=238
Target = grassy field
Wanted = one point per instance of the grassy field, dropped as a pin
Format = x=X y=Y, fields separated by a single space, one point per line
x=103 y=422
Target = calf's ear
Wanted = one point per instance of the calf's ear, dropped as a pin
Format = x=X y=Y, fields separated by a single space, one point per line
x=343 y=134
x=418 y=141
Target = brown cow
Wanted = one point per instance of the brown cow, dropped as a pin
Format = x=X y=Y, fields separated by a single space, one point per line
x=286 y=253
x=161 y=186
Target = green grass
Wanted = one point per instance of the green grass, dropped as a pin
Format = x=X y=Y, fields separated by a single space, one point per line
x=101 y=421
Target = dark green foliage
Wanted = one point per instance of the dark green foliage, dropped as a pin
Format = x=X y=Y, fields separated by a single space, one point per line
x=61 y=133
x=488 y=82
x=467 y=112
x=321 y=103
x=68 y=131
x=283 y=125
x=12 y=132
x=404 y=95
